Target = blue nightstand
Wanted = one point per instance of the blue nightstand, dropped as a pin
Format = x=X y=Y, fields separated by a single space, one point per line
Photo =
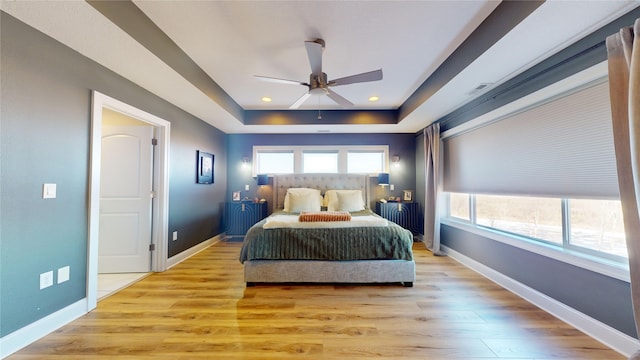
x=241 y=215
x=407 y=215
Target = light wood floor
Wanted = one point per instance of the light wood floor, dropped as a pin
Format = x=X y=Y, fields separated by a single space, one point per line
x=200 y=309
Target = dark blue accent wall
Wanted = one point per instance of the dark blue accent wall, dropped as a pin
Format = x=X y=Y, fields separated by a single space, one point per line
x=241 y=145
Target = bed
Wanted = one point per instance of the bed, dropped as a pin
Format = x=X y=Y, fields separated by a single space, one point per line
x=287 y=253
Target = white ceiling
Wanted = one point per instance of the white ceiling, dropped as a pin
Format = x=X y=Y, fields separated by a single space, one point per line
x=234 y=40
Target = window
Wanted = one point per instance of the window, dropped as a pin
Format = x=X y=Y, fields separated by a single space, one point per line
x=319 y=162
x=593 y=227
x=274 y=162
x=459 y=206
x=365 y=159
x=365 y=162
x=538 y=218
x=597 y=225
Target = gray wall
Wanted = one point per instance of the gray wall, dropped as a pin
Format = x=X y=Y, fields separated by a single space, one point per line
x=45 y=121
x=603 y=298
x=240 y=145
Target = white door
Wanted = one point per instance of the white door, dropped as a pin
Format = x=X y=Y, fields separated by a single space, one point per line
x=126 y=182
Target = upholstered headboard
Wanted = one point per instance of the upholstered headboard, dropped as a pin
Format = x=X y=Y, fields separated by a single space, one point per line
x=323 y=182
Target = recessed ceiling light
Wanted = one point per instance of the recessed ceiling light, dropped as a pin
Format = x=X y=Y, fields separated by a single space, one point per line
x=373 y=98
x=266 y=99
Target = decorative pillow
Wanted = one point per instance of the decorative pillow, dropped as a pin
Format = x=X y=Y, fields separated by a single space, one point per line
x=298 y=199
x=324 y=216
x=350 y=201
x=299 y=202
x=332 y=202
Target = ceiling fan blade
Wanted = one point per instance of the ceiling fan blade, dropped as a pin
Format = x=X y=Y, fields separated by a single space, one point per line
x=337 y=98
x=314 y=52
x=374 y=75
x=280 y=81
x=300 y=101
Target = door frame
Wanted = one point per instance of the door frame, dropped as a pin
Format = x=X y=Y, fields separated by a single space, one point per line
x=160 y=215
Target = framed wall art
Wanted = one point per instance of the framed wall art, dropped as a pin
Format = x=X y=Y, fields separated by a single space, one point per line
x=204 y=168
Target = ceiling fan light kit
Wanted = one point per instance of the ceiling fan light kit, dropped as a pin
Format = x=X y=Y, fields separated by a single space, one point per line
x=318 y=83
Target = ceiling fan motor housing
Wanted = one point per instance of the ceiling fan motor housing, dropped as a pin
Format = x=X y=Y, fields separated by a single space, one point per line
x=318 y=84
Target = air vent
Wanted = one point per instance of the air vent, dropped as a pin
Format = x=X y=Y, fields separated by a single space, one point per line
x=480 y=88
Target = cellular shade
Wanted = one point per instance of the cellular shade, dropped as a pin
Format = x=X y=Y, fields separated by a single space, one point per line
x=562 y=148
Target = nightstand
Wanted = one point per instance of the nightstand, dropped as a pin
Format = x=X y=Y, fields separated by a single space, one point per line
x=407 y=215
x=241 y=215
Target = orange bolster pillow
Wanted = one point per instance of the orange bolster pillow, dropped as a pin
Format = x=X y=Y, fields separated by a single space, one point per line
x=321 y=216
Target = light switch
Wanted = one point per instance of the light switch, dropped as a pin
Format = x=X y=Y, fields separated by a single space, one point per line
x=391 y=187
x=63 y=274
x=49 y=191
x=46 y=279
x=246 y=187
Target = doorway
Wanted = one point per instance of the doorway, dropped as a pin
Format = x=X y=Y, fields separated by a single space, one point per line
x=126 y=188
x=158 y=220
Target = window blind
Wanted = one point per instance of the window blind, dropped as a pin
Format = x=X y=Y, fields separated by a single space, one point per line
x=562 y=148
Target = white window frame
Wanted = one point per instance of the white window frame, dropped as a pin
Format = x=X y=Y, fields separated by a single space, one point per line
x=589 y=260
x=342 y=151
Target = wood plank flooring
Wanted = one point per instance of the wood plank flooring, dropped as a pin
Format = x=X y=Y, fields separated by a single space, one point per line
x=200 y=309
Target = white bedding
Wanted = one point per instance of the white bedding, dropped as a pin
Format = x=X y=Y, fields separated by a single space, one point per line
x=291 y=221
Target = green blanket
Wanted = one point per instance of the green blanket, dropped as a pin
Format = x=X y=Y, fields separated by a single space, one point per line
x=357 y=243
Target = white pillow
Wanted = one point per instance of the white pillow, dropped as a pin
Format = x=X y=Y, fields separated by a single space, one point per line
x=350 y=201
x=298 y=199
x=299 y=202
x=332 y=202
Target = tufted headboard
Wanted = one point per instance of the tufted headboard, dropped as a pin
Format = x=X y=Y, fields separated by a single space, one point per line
x=323 y=182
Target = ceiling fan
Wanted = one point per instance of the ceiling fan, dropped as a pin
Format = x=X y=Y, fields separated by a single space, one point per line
x=318 y=84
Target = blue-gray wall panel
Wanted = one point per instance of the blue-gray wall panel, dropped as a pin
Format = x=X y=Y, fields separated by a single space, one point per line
x=603 y=298
x=44 y=139
x=45 y=120
x=195 y=210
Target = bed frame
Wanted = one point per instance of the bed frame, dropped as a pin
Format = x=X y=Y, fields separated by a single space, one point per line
x=305 y=271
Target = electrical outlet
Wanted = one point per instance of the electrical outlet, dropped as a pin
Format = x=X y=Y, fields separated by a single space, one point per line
x=63 y=274
x=391 y=187
x=175 y=235
x=49 y=191
x=46 y=279
x=246 y=187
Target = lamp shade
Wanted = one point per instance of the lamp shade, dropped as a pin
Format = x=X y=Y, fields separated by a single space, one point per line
x=263 y=179
x=383 y=179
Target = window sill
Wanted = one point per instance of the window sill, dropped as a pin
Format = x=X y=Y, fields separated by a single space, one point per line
x=602 y=266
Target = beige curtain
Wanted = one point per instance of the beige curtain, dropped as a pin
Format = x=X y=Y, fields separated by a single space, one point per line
x=432 y=188
x=624 y=86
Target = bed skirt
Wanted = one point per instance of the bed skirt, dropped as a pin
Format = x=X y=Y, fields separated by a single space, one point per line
x=305 y=271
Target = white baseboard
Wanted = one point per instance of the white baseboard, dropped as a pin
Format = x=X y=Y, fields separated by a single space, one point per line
x=176 y=259
x=40 y=328
x=22 y=337
x=618 y=341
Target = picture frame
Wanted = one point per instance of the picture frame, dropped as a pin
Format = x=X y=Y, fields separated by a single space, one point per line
x=407 y=195
x=236 y=196
x=204 y=169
